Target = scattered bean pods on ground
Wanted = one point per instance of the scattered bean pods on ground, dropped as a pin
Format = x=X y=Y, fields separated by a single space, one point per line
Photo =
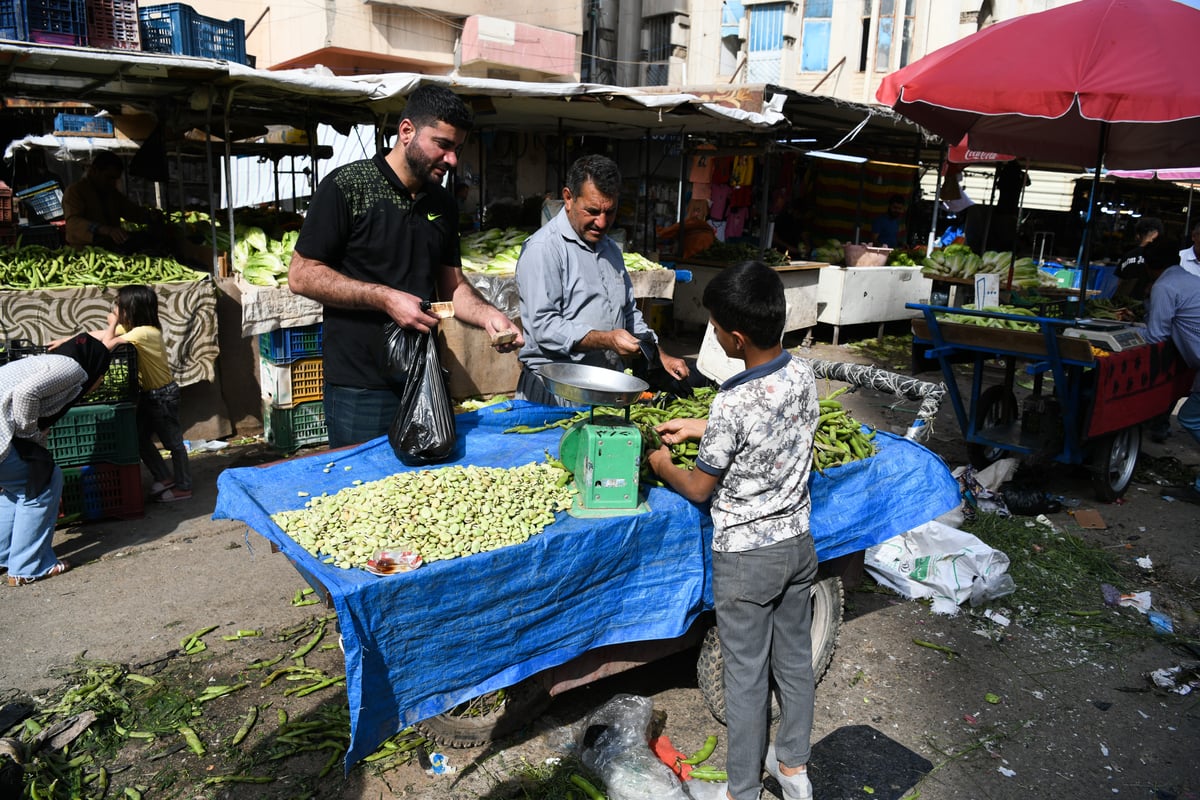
x=438 y=513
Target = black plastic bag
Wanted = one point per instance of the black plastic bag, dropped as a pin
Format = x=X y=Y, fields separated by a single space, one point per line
x=1028 y=501
x=422 y=432
x=650 y=369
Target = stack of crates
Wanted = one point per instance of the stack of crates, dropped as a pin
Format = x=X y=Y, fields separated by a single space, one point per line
x=96 y=445
x=292 y=375
x=60 y=22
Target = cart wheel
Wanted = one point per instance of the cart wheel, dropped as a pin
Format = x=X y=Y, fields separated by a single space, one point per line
x=826 y=622
x=1113 y=460
x=996 y=406
x=489 y=717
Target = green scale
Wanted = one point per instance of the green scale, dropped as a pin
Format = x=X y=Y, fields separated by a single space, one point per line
x=603 y=452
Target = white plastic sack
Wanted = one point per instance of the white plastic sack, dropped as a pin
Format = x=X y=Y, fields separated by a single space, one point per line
x=942 y=563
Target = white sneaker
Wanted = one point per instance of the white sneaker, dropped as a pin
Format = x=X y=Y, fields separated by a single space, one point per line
x=795 y=787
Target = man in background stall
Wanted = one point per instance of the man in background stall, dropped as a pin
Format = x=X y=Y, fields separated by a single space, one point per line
x=96 y=212
x=888 y=229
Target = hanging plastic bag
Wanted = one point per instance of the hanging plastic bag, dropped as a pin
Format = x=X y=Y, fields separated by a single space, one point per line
x=422 y=432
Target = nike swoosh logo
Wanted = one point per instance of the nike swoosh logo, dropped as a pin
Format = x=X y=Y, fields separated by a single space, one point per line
x=433 y=217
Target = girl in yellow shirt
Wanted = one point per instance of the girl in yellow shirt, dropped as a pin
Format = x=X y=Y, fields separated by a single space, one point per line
x=134 y=319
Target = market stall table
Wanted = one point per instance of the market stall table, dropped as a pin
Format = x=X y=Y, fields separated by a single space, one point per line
x=580 y=585
x=800 y=281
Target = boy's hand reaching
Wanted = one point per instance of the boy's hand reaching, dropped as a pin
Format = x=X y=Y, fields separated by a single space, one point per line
x=674 y=431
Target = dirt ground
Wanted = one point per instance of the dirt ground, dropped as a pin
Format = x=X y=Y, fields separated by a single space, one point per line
x=1053 y=705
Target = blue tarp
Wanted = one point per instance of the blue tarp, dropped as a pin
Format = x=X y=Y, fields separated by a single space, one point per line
x=419 y=643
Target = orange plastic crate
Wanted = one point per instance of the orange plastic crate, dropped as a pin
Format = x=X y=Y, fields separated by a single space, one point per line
x=285 y=385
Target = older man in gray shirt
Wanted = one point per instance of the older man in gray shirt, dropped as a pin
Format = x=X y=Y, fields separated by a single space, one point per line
x=576 y=298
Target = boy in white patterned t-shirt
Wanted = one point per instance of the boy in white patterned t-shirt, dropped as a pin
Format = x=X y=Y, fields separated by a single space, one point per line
x=754 y=461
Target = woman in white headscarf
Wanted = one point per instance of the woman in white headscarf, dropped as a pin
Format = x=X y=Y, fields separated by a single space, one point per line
x=35 y=392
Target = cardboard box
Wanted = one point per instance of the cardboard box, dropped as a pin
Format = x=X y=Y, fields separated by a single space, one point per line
x=476 y=369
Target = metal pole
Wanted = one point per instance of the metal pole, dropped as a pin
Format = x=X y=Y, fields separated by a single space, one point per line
x=937 y=202
x=1085 y=241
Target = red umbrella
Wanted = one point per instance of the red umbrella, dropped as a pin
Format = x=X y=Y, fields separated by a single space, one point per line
x=964 y=153
x=1104 y=82
x=1047 y=85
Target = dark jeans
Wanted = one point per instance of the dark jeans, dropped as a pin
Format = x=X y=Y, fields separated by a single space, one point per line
x=354 y=415
x=158 y=415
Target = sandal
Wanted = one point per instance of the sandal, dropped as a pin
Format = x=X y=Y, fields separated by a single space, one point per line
x=158 y=487
x=58 y=569
x=173 y=494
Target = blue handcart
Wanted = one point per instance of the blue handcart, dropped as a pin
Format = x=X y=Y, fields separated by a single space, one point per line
x=1105 y=381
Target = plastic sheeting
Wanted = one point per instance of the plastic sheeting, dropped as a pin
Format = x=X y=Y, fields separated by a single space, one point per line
x=421 y=642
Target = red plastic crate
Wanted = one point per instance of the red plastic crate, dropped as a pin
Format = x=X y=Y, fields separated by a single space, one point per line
x=6 y=204
x=101 y=491
x=113 y=25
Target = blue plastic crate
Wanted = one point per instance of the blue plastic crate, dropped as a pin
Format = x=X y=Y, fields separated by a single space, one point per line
x=46 y=21
x=290 y=344
x=82 y=125
x=177 y=28
x=45 y=199
x=12 y=20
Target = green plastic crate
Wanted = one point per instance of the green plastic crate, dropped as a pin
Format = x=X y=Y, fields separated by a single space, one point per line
x=288 y=429
x=95 y=433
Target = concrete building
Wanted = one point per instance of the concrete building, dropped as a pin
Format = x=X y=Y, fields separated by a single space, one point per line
x=530 y=41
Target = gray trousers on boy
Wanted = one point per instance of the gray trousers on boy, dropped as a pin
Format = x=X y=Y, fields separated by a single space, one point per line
x=764 y=614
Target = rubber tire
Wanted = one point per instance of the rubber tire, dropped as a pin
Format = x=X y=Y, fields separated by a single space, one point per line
x=827 y=622
x=1113 y=461
x=494 y=717
x=997 y=406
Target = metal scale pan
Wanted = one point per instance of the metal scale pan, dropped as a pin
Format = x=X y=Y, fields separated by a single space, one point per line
x=596 y=386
